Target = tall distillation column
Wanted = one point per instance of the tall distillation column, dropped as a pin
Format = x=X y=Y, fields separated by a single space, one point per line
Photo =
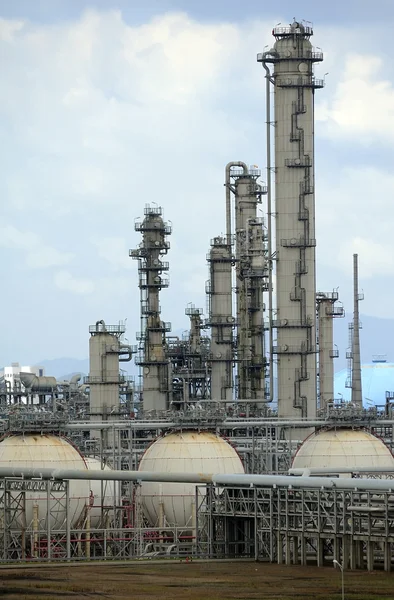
x=251 y=282
x=152 y=358
x=294 y=84
x=220 y=319
x=326 y=312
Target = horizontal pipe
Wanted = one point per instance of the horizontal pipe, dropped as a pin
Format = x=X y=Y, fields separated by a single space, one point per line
x=310 y=471
x=244 y=480
x=120 y=424
x=227 y=423
x=288 y=481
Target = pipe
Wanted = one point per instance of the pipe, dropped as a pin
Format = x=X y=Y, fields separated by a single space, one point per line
x=311 y=471
x=269 y=225
x=35 y=530
x=102 y=323
x=269 y=80
x=228 y=194
x=235 y=424
x=219 y=479
x=121 y=424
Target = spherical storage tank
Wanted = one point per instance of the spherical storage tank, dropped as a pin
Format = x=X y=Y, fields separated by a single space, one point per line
x=52 y=452
x=343 y=448
x=182 y=452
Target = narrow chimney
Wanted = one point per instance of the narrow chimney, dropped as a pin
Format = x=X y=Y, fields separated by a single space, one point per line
x=357 y=398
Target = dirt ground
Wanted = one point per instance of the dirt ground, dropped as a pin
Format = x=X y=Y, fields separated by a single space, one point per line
x=192 y=581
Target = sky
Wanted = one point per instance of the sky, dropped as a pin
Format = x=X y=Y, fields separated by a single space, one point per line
x=106 y=106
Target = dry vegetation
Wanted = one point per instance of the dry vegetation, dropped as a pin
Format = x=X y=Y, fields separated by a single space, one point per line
x=191 y=581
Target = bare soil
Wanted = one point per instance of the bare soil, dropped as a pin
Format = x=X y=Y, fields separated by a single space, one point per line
x=197 y=580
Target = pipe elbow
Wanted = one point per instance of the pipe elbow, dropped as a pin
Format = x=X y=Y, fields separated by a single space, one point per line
x=237 y=163
x=100 y=325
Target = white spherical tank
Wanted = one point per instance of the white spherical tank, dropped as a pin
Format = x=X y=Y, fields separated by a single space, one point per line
x=101 y=494
x=343 y=448
x=183 y=452
x=52 y=452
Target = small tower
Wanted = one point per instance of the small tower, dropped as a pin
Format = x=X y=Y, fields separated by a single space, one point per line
x=220 y=319
x=105 y=351
x=327 y=311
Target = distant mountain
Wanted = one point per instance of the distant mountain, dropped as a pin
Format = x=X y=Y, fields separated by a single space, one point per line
x=64 y=368
x=376 y=337
x=57 y=367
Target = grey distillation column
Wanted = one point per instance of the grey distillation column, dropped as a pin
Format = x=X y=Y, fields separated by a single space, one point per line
x=195 y=377
x=251 y=282
x=326 y=312
x=152 y=358
x=294 y=85
x=105 y=351
x=220 y=319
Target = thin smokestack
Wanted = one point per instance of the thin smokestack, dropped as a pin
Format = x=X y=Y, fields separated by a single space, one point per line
x=357 y=398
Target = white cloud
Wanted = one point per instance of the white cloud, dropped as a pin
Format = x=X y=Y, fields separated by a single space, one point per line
x=354 y=215
x=66 y=282
x=354 y=205
x=363 y=102
x=38 y=255
x=114 y=250
x=9 y=29
x=375 y=258
x=99 y=117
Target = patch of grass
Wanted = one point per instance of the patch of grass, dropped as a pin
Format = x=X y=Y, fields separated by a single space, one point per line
x=198 y=580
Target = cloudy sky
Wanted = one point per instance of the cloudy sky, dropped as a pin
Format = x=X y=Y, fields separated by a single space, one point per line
x=108 y=105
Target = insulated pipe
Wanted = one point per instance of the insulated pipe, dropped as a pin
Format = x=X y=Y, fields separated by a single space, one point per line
x=311 y=471
x=273 y=481
x=228 y=194
x=226 y=424
x=241 y=424
x=269 y=225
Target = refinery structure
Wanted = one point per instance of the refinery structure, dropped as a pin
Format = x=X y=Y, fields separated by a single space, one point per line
x=231 y=444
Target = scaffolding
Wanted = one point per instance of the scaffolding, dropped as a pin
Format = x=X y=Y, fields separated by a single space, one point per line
x=297 y=526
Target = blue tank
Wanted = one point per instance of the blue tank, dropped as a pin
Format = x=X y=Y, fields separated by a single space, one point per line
x=377 y=379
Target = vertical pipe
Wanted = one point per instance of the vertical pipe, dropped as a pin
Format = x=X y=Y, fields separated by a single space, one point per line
x=87 y=526
x=269 y=226
x=194 y=533
x=196 y=509
x=4 y=519
x=35 y=530
x=161 y=508
x=23 y=524
x=48 y=486
x=68 y=521
x=357 y=398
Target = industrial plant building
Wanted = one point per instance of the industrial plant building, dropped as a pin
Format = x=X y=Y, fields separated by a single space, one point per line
x=232 y=444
